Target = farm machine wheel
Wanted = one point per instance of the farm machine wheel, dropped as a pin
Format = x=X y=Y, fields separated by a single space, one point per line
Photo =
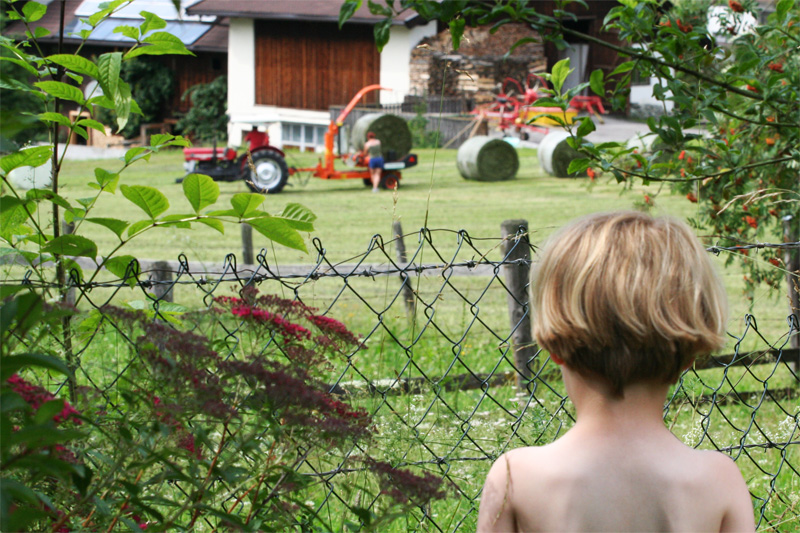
x=367 y=182
x=390 y=180
x=269 y=172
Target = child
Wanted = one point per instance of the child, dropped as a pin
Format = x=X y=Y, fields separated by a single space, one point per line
x=623 y=302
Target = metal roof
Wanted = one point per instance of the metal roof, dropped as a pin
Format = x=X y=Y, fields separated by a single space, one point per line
x=308 y=10
x=187 y=32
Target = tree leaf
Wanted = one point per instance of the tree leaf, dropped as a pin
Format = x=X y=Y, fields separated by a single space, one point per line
x=136 y=153
x=246 y=202
x=279 y=231
x=108 y=66
x=136 y=227
x=124 y=265
x=128 y=31
x=14 y=363
x=559 y=74
x=457 y=31
x=92 y=124
x=59 y=89
x=38 y=195
x=596 y=83
x=160 y=43
x=213 y=223
x=77 y=64
x=123 y=103
x=33 y=11
x=349 y=7
x=27 y=157
x=151 y=22
x=71 y=245
x=106 y=180
x=578 y=166
x=299 y=217
x=149 y=199
x=586 y=127
x=114 y=224
x=200 y=190
x=49 y=116
x=623 y=67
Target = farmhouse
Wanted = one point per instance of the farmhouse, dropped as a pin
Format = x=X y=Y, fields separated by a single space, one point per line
x=289 y=62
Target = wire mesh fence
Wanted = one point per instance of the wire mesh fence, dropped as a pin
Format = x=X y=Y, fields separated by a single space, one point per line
x=448 y=370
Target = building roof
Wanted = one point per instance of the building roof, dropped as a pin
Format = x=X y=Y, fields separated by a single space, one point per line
x=304 y=10
x=197 y=33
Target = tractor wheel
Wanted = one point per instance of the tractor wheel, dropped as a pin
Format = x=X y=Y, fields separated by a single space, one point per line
x=390 y=180
x=269 y=172
x=367 y=182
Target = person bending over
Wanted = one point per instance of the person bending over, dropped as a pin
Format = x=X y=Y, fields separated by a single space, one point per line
x=372 y=150
x=623 y=302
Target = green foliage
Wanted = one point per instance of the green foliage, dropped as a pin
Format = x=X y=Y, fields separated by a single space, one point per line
x=18 y=123
x=152 y=85
x=206 y=120
x=421 y=137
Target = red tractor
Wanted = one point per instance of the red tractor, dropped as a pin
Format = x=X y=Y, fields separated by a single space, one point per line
x=269 y=172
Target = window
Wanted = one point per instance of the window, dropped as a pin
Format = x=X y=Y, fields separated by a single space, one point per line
x=306 y=137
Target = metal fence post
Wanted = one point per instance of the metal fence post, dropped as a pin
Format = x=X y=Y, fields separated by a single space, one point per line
x=408 y=292
x=516 y=250
x=247 y=244
x=67 y=228
x=791 y=259
x=161 y=273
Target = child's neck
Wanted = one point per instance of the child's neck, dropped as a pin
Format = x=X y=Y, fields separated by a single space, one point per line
x=640 y=408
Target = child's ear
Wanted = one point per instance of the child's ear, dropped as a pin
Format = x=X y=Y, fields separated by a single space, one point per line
x=556 y=359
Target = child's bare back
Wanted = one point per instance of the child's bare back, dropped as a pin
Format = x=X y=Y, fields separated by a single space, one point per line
x=619 y=468
x=615 y=480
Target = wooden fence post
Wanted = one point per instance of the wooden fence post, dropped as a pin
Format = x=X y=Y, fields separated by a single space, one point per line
x=408 y=292
x=161 y=273
x=791 y=259
x=247 y=244
x=516 y=247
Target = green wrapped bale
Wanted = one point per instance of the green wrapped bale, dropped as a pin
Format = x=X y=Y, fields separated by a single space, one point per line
x=391 y=130
x=555 y=155
x=483 y=158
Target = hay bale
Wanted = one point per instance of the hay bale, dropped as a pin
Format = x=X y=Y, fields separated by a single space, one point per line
x=555 y=155
x=391 y=130
x=485 y=159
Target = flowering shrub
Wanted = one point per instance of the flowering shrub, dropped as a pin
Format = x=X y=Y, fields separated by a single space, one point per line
x=188 y=437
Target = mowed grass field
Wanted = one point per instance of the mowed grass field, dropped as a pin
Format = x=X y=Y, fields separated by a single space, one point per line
x=432 y=195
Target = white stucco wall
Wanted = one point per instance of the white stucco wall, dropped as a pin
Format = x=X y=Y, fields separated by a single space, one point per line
x=395 y=60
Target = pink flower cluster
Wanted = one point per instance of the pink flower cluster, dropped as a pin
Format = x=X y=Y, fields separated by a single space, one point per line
x=405 y=487
x=288 y=330
x=36 y=396
x=298 y=402
x=333 y=331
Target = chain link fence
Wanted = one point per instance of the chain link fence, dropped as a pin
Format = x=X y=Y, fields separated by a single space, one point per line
x=451 y=376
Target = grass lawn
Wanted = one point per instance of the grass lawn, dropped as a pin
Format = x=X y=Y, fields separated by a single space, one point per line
x=431 y=195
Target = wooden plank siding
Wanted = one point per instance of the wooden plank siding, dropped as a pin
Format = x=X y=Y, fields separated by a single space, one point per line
x=313 y=65
x=189 y=71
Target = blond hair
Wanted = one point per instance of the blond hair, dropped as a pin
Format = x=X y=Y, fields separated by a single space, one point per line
x=627 y=297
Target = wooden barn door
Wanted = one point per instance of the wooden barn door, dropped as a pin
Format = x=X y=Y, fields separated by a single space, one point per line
x=313 y=65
